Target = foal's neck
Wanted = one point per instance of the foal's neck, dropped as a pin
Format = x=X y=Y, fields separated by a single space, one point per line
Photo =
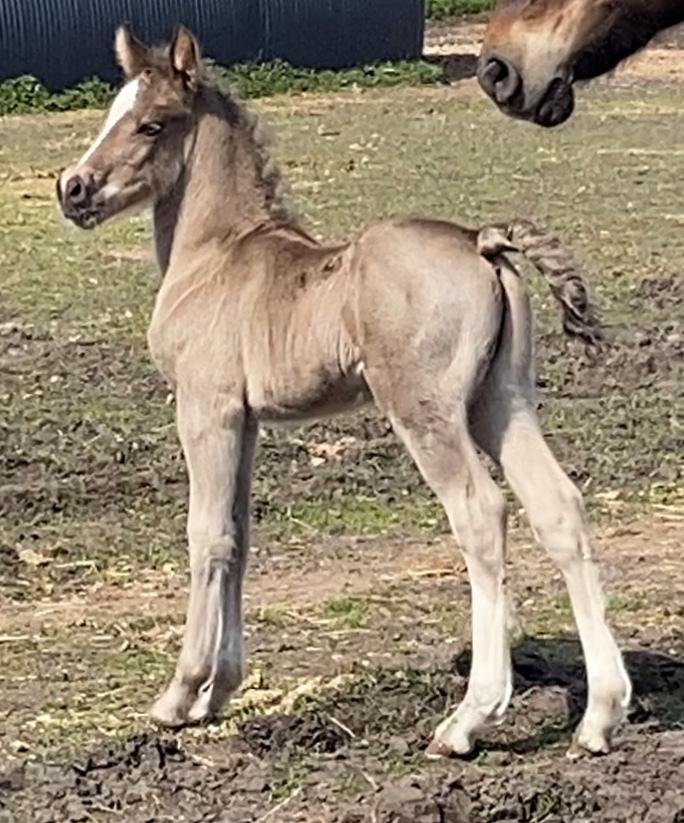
x=225 y=190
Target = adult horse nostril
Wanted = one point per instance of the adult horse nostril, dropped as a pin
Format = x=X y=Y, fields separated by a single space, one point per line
x=75 y=191
x=499 y=79
x=489 y=74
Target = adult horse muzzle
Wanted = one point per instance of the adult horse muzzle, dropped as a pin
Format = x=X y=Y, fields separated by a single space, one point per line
x=557 y=104
x=513 y=93
x=501 y=81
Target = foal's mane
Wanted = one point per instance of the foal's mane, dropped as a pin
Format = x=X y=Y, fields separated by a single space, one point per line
x=246 y=124
x=257 y=137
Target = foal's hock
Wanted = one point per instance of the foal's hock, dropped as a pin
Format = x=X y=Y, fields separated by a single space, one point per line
x=256 y=321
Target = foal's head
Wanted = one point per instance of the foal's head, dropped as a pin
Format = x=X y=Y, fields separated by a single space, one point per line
x=535 y=49
x=138 y=156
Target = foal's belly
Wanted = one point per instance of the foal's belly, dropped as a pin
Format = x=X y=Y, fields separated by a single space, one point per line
x=283 y=401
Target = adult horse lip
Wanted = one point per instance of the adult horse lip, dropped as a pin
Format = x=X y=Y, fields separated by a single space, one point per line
x=556 y=105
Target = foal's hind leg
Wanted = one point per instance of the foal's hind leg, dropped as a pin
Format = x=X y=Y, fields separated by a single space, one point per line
x=505 y=424
x=438 y=439
x=218 y=439
x=555 y=510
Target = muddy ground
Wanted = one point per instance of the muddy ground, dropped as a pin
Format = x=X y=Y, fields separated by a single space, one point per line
x=357 y=602
x=349 y=676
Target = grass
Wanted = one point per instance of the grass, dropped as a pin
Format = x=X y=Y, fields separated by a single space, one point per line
x=357 y=515
x=90 y=438
x=439 y=9
x=23 y=95
x=347 y=612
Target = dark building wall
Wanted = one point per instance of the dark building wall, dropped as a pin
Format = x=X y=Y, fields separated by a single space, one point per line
x=64 y=41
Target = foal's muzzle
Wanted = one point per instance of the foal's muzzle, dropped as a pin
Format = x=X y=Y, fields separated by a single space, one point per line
x=75 y=193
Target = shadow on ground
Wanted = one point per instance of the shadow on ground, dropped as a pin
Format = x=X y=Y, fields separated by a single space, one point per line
x=454 y=67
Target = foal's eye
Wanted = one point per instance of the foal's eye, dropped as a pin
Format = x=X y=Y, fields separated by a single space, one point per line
x=151 y=129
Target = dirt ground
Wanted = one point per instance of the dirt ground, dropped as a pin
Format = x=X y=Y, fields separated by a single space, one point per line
x=357 y=601
x=341 y=738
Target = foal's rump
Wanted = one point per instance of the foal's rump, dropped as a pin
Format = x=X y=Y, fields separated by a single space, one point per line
x=430 y=302
x=429 y=309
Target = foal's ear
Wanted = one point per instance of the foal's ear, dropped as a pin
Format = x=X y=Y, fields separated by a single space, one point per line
x=185 y=57
x=132 y=55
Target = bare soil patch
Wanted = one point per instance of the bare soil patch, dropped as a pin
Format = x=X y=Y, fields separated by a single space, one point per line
x=344 y=757
x=349 y=748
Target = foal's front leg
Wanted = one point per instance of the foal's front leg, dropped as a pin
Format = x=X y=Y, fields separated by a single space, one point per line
x=218 y=437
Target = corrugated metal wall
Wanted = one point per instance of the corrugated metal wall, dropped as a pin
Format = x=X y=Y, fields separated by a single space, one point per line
x=63 y=41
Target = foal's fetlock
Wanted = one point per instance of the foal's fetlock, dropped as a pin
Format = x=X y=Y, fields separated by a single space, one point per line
x=172 y=708
x=595 y=732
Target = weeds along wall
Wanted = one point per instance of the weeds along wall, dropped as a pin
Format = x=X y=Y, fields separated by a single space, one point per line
x=64 y=41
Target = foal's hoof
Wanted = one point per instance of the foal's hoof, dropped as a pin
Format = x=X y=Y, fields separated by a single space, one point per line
x=584 y=744
x=440 y=749
x=171 y=709
x=168 y=719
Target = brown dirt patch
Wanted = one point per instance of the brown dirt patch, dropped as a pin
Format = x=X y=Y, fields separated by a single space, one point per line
x=641 y=558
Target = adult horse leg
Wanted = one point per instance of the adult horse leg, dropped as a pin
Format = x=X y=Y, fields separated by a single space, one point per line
x=505 y=423
x=218 y=437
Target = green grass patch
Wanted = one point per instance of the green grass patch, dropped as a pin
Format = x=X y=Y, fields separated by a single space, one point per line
x=357 y=515
x=26 y=94
x=90 y=447
x=254 y=80
x=21 y=95
x=347 y=612
x=439 y=9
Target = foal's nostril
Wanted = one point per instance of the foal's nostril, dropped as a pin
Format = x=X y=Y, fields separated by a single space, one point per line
x=499 y=79
x=75 y=191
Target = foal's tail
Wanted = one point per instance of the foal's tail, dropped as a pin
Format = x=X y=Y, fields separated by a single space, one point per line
x=556 y=265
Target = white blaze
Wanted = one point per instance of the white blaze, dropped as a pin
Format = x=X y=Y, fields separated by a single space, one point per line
x=123 y=103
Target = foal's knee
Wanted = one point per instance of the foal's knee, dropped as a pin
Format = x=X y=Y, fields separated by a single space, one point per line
x=560 y=526
x=478 y=523
x=212 y=552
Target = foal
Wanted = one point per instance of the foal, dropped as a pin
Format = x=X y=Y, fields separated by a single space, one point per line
x=535 y=49
x=255 y=321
